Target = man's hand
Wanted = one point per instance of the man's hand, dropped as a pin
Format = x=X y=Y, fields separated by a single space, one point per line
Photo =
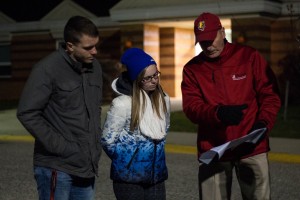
x=231 y=114
x=258 y=125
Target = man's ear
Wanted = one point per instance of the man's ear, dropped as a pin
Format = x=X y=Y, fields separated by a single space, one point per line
x=223 y=32
x=69 y=47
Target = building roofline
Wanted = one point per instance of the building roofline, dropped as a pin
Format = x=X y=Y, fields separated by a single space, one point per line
x=234 y=8
x=51 y=24
x=56 y=27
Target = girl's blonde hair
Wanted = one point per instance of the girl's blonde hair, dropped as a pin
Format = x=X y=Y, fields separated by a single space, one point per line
x=138 y=106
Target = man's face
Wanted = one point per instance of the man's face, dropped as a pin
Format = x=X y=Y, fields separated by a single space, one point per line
x=85 y=50
x=213 y=49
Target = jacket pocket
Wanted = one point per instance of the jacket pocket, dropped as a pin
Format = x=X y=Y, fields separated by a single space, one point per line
x=96 y=90
x=133 y=164
x=69 y=95
x=76 y=155
x=132 y=158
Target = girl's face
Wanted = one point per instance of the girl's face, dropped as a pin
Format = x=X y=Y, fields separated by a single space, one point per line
x=151 y=79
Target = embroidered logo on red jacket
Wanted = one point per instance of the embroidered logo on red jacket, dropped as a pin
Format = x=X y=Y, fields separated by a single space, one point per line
x=237 y=77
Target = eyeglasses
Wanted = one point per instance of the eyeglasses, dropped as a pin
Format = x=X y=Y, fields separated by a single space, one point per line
x=149 y=78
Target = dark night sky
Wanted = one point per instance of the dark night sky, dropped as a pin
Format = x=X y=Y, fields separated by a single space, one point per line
x=33 y=10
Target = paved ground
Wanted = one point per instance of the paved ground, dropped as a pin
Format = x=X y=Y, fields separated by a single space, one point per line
x=16 y=164
x=17 y=181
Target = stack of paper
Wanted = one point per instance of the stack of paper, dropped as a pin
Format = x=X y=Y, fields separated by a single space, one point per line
x=217 y=152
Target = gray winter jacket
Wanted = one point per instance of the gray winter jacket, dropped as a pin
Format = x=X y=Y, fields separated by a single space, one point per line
x=60 y=107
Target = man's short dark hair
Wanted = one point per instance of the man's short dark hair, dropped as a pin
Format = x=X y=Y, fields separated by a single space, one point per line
x=77 y=26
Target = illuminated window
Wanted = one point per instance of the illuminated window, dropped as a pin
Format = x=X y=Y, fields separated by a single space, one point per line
x=5 y=61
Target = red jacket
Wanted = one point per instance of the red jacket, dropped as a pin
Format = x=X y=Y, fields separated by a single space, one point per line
x=239 y=76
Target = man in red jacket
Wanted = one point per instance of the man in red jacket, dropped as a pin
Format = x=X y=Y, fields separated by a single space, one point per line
x=229 y=90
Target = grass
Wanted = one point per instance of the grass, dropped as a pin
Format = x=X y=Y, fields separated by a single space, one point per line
x=180 y=123
x=289 y=128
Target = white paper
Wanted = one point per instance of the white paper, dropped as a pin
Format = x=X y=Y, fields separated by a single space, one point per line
x=218 y=151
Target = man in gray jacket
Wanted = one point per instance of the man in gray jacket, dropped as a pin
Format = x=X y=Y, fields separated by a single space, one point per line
x=60 y=107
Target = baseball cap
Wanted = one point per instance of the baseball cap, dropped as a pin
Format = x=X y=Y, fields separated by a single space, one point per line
x=206 y=27
x=136 y=60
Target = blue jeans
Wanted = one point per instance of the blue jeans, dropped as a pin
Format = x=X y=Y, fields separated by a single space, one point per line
x=63 y=186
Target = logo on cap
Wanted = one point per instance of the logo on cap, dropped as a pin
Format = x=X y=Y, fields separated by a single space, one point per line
x=201 y=25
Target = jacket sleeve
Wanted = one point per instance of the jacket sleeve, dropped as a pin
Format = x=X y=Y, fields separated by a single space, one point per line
x=266 y=90
x=114 y=126
x=33 y=101
x=193 y=103
x=168 y=104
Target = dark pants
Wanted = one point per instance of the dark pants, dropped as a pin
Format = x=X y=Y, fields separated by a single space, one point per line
x=127 y=191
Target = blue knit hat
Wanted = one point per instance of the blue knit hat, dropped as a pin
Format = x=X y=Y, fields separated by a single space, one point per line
x=136 y=60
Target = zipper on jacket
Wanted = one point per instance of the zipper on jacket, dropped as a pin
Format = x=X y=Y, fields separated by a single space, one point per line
x=133 y=156
x=225 y=88
x=213 y=76
x=85 y=86
x=154 y=160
